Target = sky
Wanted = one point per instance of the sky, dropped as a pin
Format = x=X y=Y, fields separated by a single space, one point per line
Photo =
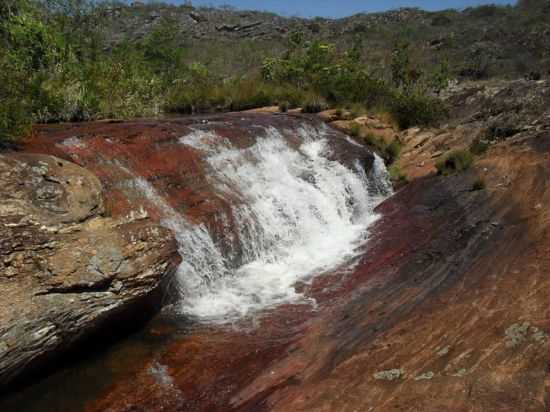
x=339 y=8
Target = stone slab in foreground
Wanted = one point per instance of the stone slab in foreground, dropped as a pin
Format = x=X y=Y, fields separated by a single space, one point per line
x=65 y=269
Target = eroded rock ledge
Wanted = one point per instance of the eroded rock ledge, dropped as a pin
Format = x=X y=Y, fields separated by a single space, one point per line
x=65 y=269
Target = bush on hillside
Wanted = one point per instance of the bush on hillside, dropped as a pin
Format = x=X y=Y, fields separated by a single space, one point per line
x=397 y=176
x=410 y=109
x=14 y=110
x=455 y=162
x=479 y=147
x=56 y=66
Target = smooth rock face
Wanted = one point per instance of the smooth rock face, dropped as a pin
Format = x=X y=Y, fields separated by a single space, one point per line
x=64 y=268
x=125 y=155
x=447 y=311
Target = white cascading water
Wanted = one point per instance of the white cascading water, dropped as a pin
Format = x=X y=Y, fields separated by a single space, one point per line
x=299 y=214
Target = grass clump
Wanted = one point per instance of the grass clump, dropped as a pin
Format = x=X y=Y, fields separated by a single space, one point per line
x=314 y=104
x=389 y=151
x=355 y=129
x=455 y=162
x=392 y=151
x=284 y=106
x=376 y=143
x=397 y=176
x=411 y=109
x=356 y=110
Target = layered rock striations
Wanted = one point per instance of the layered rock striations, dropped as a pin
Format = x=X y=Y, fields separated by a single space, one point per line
x=65 y=269
x=447 y=310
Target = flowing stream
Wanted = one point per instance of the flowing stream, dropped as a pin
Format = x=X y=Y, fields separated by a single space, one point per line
x=297 y=213
x=297 y=203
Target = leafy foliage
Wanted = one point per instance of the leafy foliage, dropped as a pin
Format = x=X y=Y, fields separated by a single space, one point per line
x=341 y=78
x=479 y=147
x=397 y=175
x=56 y=66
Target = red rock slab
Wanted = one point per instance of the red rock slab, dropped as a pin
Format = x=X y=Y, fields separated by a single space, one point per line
x=448 y=310
x=120 y=152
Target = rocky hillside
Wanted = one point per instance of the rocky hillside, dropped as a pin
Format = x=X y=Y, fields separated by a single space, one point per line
x=448 y=309
x=478 y=42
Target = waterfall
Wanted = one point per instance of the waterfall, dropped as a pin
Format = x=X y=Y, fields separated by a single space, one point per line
x=298 y=214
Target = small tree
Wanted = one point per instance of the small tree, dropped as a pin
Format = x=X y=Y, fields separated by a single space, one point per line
x=403 y=74
x=440 y=77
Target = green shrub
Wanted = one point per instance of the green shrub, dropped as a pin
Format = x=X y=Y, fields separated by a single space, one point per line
x=161 y=50
x=15 y=110
x=476 y=68
x=124 y=89
x=313 y=104
x=455 y=162
x=397 y=176
x=411 y=109
x=342 y=79
x=196 y=91
x=356 y=110
x=355 y=129
x=190 y=95
x=389 y=151
x=284 y=106
x=441 y=20
x=376 y=143
x=244 y=94
x=392 y=151
x=27 y=47
x=486 y=11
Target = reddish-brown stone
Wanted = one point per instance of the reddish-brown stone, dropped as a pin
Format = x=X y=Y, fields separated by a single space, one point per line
x=451 y=295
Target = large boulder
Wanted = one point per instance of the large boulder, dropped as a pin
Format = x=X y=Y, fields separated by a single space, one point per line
x=65 y=269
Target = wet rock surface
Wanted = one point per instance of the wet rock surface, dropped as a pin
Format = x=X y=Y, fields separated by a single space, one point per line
x=65 y=269
x=123 y=155
x=447 y=309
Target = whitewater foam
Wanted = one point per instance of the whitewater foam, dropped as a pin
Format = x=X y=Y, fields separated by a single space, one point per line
x=298 y=214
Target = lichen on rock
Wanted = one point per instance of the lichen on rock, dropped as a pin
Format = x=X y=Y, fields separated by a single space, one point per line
x=520 y=333
x=389 y=375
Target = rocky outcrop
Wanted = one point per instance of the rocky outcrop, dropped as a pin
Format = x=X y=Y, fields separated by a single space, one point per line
x=65 y=269
x=128 y=156
x=483 y=114
x=447 y=310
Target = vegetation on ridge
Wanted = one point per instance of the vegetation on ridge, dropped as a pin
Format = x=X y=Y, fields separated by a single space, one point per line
x=59 y=63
